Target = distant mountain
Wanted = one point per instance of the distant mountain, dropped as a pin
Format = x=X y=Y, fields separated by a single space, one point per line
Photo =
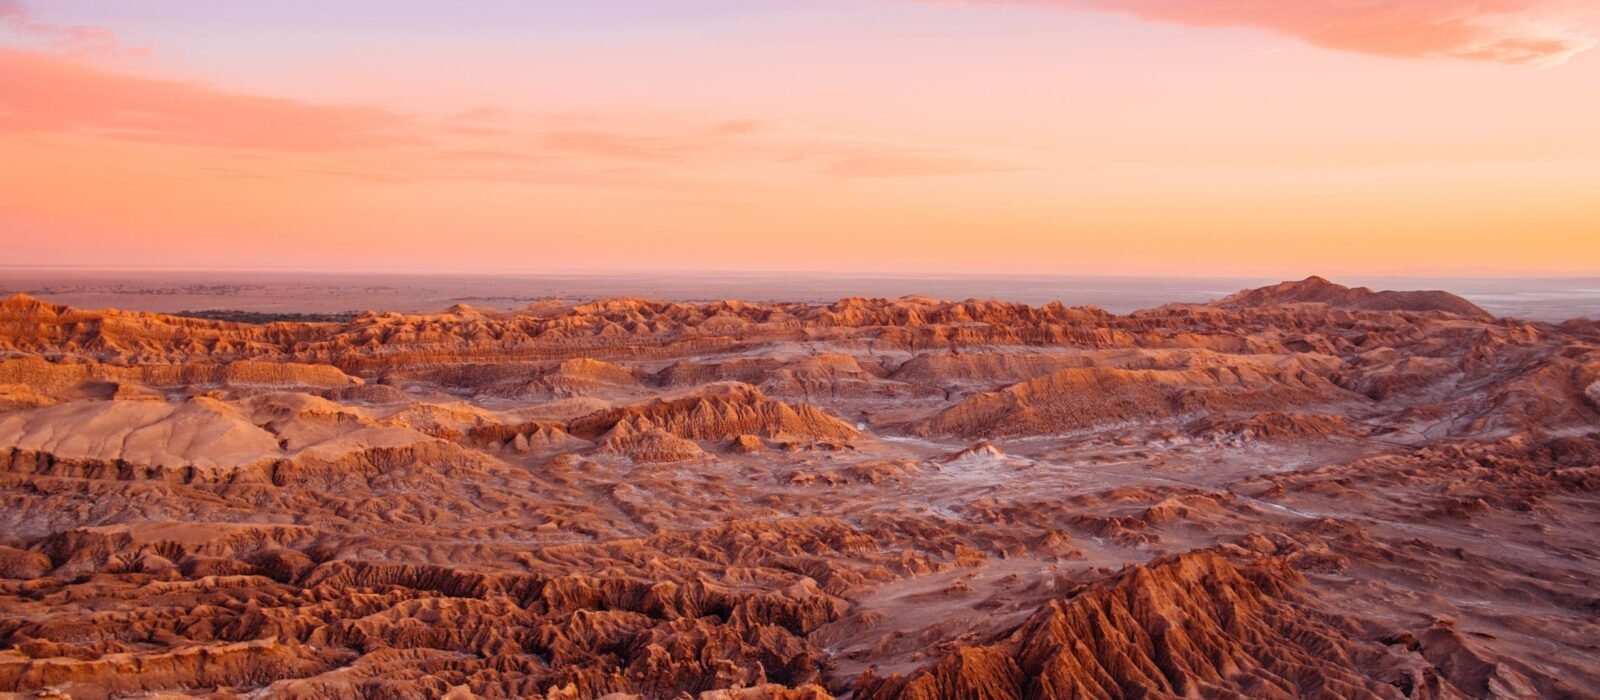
x=1318 y=290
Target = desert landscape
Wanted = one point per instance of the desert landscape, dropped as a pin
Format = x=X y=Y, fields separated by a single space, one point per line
x=1299 y=490
x=800 y=350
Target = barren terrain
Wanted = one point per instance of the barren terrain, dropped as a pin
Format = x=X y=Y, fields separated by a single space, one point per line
x=1303 y=490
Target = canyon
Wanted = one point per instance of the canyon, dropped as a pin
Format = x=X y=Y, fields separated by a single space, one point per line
x=1300 y=490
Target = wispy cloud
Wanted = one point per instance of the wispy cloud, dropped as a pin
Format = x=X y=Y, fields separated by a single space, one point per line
x=73 y=39
x=69 y=80
x=48 y=93
x=1533 y=32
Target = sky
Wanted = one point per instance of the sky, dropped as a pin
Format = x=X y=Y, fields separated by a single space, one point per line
x=1125 y=137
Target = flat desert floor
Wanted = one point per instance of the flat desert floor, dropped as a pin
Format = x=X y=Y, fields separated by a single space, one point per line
x=1297 y=490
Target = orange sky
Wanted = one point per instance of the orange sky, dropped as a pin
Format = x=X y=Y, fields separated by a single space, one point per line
x=1070 y=136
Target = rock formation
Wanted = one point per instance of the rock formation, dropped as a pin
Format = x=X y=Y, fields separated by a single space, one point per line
x=1196 y=625
x=1317 y=290
x=721 y=412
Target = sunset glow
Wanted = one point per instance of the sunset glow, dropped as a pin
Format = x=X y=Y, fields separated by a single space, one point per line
x=1037 y=136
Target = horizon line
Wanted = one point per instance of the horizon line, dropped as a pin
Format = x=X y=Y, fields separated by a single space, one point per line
x=820 y=274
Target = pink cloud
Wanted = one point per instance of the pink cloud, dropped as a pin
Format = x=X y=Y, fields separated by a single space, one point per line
x=1536 y=32
x=72 y=39
x=46 y=93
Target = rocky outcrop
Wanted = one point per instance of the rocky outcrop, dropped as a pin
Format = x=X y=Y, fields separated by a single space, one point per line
x=1320 y=291
x=1274 y=427
x=230 y=664
x=1197 y=625
x=642 y=442
x=32 y=325
x=982 y=452
x=720 y=412
x=747 y=444
x=1085 y=398
x=61 y=377
x=582 y=377
x=982 y=368
x=15 y=397
x=22 y=564
x=200 y=432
